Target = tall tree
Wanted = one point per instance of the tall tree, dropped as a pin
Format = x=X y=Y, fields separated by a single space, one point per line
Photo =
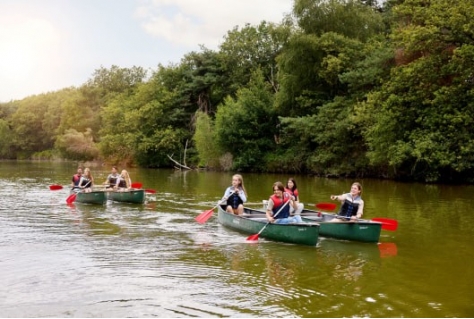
x=420 y=122
x=246 y=126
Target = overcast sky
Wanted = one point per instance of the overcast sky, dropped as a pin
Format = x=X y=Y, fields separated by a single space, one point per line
x=48 y=45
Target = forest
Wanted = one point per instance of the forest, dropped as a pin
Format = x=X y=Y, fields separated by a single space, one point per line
x=338 y=88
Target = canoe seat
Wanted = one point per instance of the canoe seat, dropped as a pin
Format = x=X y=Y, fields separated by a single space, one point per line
x=260 y=219
x=254 y=215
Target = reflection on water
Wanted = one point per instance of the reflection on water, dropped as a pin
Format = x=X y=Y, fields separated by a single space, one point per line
x=123 y=260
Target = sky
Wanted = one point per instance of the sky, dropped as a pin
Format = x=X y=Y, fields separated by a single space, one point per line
x=49 y=45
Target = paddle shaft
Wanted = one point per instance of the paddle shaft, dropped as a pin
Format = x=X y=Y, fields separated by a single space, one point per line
x=278 y=212
x=387 y=224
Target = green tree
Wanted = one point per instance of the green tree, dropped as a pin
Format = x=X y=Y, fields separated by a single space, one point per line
x=351 y=18
x=419 y=123
x=246 y=126
x=204 y=139
x=249 y=48
x=78 y=146
x=6 y=140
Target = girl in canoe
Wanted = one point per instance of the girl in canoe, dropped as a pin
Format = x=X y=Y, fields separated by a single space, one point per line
x=235 y=196
x=292 y=189
x=123 y=181
x=112 y=178
x=278 y=207
x=352 y=204
x=76 y=178
x=87 y=181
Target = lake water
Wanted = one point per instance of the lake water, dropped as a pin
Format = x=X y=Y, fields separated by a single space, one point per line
x=154 y=260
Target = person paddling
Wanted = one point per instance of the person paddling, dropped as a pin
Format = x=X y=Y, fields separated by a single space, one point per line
x=111 y=180
x=235 y=196
x=352 y=207
x=76 y=179
x=292 y=189
x=87 y=181
x=278 y=207
x=124 y=181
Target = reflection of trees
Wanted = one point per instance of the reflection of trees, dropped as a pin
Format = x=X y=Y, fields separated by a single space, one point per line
x=352 y=270
x=280 y=273
x=348 y=260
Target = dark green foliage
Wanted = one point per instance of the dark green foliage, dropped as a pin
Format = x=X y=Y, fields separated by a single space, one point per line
x=420 y=120
x=245 y=127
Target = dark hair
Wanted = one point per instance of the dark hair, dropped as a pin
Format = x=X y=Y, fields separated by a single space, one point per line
x=294 y=183
x=279 y=185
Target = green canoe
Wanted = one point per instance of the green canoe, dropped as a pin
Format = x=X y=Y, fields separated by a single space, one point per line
x=253 y=221
x=363 y=230
x=134 y=196
x=94 y=197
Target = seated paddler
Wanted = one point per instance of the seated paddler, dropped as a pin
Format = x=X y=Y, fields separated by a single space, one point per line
x=235 y=196
x=352 y=207
x=278 y=207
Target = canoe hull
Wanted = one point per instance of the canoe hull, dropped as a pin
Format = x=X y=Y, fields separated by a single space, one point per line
x=303 y=234
x=95 y=197
x=362 y=230
x=136 y=196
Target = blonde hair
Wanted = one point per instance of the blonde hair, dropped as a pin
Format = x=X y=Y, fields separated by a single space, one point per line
x=126 y=177
x=87 y=173
x=241 y=180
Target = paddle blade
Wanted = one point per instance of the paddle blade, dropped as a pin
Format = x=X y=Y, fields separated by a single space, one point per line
x=326 y=206
x=387 y=224
x=204 y=216
x=55 y=187
x=71 y=198
x=387 y=249
x=137 y=185
x=253 y=237
x=150 y=191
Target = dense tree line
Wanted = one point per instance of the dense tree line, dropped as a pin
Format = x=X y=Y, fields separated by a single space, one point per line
x=338 y=88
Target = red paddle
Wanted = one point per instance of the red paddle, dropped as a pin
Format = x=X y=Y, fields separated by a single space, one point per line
x=326 y=206
x=55 y=187
x=254 y=237
x=71 y=198
x=387 y=224
x=137 y=185
x=150 y=191
x=205 y=215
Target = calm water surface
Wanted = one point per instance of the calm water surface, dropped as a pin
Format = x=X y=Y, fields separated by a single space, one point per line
x=154 y=260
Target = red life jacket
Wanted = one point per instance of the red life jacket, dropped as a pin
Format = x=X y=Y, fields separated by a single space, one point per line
x=293 y=193
x=277 y=202
x=75 y=179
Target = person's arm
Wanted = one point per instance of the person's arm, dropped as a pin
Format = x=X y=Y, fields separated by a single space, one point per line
x=227 y=193
x=338 y=197
x=294 y=204
x=360 y=211
x=242 y=195
x=269 y=211
x=80 y=182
